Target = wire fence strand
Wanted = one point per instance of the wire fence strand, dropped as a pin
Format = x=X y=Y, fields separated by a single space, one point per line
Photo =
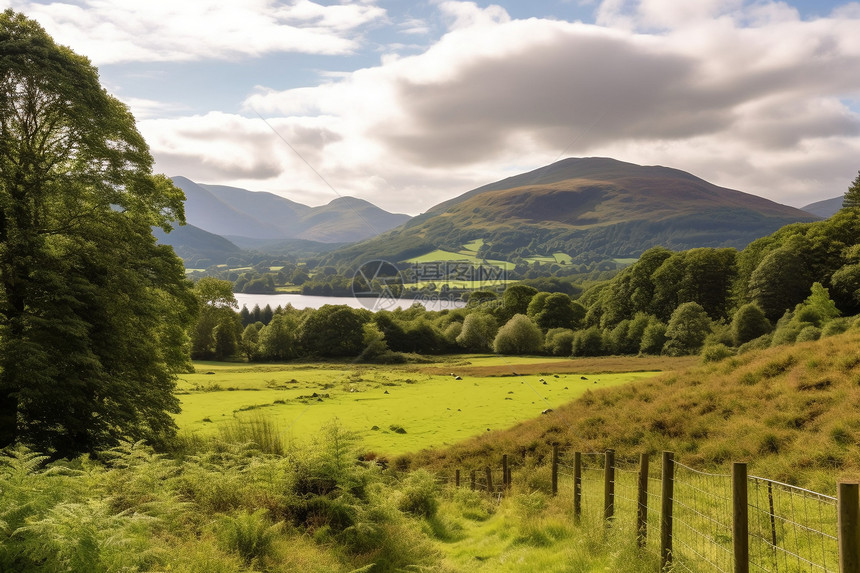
x=790 y=529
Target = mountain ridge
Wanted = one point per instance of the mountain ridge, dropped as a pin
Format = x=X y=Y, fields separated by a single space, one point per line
x=233 y=211
x=590 y=208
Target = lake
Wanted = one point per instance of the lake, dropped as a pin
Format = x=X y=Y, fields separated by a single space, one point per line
x=309 y=301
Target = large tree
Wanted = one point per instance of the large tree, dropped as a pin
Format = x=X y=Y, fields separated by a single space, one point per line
x=93 y=313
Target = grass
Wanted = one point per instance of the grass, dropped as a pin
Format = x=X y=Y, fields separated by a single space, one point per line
x=433 y=408
x=440 y=255
x=560 y=258
x=791 y=412
x=528 y=530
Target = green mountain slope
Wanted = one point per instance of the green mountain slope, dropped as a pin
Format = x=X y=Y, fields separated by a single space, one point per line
x=196 y=247
x=590 y=208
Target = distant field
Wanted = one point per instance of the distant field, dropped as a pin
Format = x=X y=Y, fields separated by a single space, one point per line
x=427 y=402
x=442 y=255
x=560 y=258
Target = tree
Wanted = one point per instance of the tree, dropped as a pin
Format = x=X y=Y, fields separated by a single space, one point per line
x=218 y=330
x=558 y=311
x=780 y=281
x=559 y=341
x=749 y=323
x=479 y=331
x=251 y=341
x=93 y=312
x=515 y=300
x=277 y=340
x=518 y=336
x=333 y=330
x=687 y=329
x=851 y=200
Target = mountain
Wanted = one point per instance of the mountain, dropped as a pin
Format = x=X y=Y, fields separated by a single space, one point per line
x=196 y=247
x=826 y=208
x=590 y=208
x=231 y=211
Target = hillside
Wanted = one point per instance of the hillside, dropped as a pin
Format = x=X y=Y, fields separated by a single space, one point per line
x=196 y=247
x=590 y=208
x=231 y=211
x=826 y=208
x=790 y=411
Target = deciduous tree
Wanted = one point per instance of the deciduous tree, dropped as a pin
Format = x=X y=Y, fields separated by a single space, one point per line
x=93 y=313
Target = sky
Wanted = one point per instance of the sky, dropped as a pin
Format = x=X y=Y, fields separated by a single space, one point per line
x=407 y=104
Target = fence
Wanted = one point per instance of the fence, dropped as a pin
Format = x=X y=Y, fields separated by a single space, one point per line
x=698 y=521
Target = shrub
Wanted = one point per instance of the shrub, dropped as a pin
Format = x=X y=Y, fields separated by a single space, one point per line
x=808 y=333
x=759 y=343
x=419 y=494
x=716 y=352
x=835 y=326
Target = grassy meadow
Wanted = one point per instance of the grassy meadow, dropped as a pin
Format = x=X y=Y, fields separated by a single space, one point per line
x=396 y=409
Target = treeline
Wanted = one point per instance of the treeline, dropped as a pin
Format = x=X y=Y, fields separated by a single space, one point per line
x=800 y=283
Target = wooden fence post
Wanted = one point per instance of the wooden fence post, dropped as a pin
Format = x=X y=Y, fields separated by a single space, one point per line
x=667 y=493
x=554 y=469
x=490 y=488
x=642 y=502
x=609 y=486
x=849 y=527
x=740 y=518
x=472 y=478
x=505 y=483
x=577 y=487
x=457 y=478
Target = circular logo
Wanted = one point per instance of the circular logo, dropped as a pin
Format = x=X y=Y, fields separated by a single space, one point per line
x=377 y=285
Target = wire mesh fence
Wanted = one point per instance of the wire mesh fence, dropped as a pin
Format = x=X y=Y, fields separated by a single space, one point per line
x=702 y=525
x=790 y=529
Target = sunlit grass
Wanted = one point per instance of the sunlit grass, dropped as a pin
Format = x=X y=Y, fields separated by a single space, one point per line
x=435 y=409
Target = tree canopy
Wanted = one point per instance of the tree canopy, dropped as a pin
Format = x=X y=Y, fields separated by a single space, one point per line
x=93 y=313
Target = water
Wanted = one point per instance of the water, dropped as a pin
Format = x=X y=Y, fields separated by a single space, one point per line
x=310 y=301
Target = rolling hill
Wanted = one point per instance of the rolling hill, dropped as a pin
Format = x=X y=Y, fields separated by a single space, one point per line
x=235 y=212
x=591 y=208
x=826 y=208
x=196 y=247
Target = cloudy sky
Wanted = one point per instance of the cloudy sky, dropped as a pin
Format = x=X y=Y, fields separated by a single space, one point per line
x=407 y=104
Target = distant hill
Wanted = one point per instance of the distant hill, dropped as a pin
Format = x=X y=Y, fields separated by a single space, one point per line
x=826 y=208
x=589 y=208
x=231 y=211
x=196 y=247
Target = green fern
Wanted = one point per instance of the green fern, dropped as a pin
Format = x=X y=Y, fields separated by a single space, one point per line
x=251 y=535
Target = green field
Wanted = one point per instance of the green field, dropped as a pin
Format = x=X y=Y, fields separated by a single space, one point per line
x=464 y=256
x=560 y=258
x=432 y=407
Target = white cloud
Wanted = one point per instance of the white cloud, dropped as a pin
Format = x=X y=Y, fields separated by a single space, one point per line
x=114 y=31
x=752 y=99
